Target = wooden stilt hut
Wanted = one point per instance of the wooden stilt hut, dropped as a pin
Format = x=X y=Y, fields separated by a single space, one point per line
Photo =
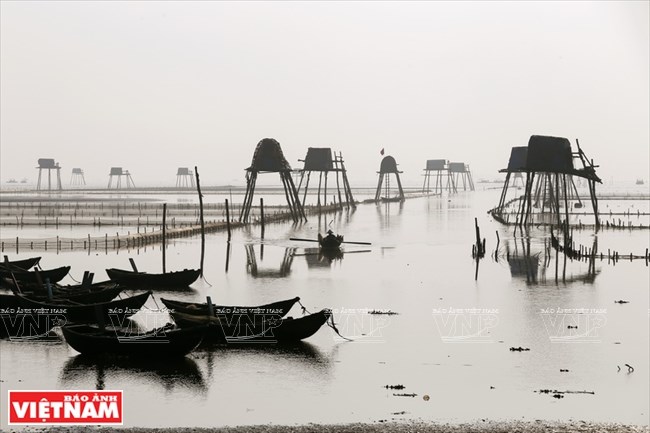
x=323 y=161
x=389 y=166
x=268 y=158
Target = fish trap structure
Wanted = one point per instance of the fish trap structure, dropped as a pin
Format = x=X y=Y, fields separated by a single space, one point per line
x=185 y=178
x=459 y=171
x=550 y=166
x=116 y=174
x=439 y=170
x=323 y=161
x=452 y=172
x=77 y=178
x=389 y=166
x=48 y=164
x=268 y=158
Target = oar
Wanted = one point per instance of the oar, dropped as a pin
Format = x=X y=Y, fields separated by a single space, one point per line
x=344 y=242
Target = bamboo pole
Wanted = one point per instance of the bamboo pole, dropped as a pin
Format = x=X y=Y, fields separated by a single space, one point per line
x=198 y=189
x=262 y=215
x=164 y=237
x=228 y=219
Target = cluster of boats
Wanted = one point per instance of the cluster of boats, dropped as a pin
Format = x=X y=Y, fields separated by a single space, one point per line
x=94 y=317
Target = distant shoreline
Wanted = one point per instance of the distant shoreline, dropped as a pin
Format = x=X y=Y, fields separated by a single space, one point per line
x=380 y=427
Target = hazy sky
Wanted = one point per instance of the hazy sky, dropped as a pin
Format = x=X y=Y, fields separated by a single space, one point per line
x=152 y=86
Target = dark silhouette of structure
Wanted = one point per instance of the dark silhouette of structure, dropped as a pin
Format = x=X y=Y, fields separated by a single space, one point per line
x=119 y=173
x=323 y=161
x=389 y=166
x=453 y=172
x=268 y=158
x=439 y=170
x=77 y=178
x=185 y=178
x=49 y=165
x=548 y=163
x=460 y=171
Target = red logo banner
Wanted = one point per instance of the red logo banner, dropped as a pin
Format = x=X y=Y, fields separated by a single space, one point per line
x=65 y=407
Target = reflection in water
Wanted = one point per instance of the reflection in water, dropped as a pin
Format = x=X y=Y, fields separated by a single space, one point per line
x=322 y=258
x=254 y=271
x=170 y=373
x=530 y=261
x=384 y=211
x=297 y=357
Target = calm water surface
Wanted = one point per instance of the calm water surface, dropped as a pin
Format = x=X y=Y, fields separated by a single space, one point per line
x=450 y=341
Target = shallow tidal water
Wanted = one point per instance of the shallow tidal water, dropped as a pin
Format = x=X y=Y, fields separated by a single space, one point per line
x=450 y=340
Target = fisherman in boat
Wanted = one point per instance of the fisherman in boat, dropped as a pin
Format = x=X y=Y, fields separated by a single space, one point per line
x=331 y=237
x=330 y=241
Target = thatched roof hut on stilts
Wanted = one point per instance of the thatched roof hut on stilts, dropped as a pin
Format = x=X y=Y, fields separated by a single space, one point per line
x=268 y=158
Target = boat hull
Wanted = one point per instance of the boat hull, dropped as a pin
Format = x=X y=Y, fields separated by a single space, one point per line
x=113 y=312
x=142 y=279
x=32 y=277
x=241 y=329
x=18 y=324
x=280 y=308
x=25 y=264
x=162 y=342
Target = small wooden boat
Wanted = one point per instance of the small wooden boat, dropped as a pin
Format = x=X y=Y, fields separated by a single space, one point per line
x=110 y=312
x=15 y=323
x=99 y=292
x=262 y=329
x=298 y=329
x=280 y=308
x=25 y=264
x=161 y=342
x=32 y=277
x=330 y=241
x=142 y=279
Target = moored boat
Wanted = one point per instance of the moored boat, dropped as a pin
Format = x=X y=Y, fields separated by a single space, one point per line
x=113 y=312
x=25 y=264
x=177 y=279
x=34 y=277
x=16 y=323
x=161 y=342
x=99 y=292
x=280 y=308
x=243 y=328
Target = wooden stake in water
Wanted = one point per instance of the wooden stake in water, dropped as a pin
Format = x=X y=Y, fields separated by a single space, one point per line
x=198 y=189
x=228 y=219
x=262 y=215
x=227 y=255
x=164 y=236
